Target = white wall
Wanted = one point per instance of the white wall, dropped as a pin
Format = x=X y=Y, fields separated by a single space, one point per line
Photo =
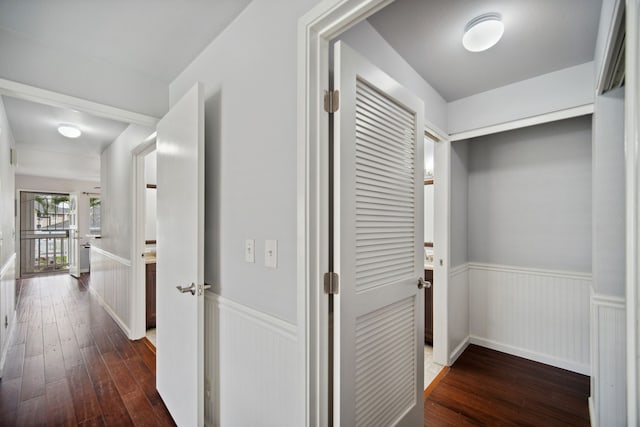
x=249 y=73
x=367 y=41
x=567 y=88
x=7 y=233
x=36 y=162
x=608 y=195
x=530 y=197
x=116 y=167
x=459 y=210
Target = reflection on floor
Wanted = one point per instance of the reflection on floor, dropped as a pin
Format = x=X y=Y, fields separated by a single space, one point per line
x=151 y=335
x=431 y=368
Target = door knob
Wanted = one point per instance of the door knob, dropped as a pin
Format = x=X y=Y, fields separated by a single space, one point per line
x=423 y=283
x=192 y=288
x=185 y=289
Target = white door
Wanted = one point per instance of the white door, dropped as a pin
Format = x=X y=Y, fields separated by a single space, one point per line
x=378 y=247
x=74 y=238
x=180 y=256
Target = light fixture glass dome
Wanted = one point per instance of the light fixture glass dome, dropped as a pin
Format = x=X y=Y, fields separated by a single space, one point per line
x=483 y=32
x=69 y=131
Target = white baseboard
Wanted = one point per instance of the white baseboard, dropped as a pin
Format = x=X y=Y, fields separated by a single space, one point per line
x=459 y=350
x=531 y=355
x=592 y=415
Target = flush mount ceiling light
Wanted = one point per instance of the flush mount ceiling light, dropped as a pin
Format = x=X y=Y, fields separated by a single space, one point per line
x=483 y=32
x=69 y=131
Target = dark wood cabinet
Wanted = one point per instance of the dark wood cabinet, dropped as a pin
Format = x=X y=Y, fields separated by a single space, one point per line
x=151 y=295
x=428 y=308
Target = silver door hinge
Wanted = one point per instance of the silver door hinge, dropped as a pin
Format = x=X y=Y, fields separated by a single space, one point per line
x=331 y=100
x=331 y=283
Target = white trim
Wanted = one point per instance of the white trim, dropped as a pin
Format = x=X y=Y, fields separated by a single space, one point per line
x=114 y=257
x=531 y=355
x=55 y=99
x=616 y=23
x=275 y=324
x=459 y=350
x=138 y=272
x=592 y=413
x=632 y=200
x=315 y=29
x=553 y=116
x=459 y=269
x=527 y=270
x=607 y=300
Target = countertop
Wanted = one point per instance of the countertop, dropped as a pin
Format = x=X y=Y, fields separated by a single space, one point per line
x=150 y=258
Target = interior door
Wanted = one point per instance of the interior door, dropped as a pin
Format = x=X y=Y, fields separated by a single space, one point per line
x=74 y=238
x=378 y=247
x=179 y=256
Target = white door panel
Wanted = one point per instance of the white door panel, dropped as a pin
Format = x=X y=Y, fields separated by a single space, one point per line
x=378 y=247
x=180 y=256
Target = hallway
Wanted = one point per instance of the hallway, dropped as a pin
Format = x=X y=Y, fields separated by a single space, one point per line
x=70 y=364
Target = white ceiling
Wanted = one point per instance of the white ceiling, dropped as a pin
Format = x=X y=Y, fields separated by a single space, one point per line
x=158 y=38
x=155 y=39
x=540 y=36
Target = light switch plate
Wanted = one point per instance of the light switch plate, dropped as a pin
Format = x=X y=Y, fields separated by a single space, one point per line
x=271 y=253
x=250 y=250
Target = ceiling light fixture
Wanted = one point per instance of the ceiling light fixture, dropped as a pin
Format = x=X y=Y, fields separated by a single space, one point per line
x=69 y=131
x=483 y=32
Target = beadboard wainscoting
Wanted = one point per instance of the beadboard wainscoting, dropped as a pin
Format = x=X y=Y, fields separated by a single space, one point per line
x=7 y=305
x=110 y=283
x=251 y=364
x=542 y=315
x=458 y=311
x=607 y=404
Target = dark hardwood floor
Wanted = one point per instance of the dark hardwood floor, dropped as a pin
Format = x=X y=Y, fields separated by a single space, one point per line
x=489 y=388
x=70 y=364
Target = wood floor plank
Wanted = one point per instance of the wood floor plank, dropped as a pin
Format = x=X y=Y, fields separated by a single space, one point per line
x=60 y=411
x=83 y=395
x=33 y=380
x=49 y=379
x=14 y=362
x=486 y=387
x=9 y=398
x=32 y=412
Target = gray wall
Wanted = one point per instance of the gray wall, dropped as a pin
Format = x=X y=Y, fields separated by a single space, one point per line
x=530 y=197
x=459 y=208
x=116 y=163
x=608 y=195
x=7 y=190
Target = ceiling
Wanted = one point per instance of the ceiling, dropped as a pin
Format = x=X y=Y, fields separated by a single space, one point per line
x=540 y=36
x=156 y=39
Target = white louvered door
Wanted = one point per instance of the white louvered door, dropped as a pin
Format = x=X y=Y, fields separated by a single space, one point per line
x=378 y=247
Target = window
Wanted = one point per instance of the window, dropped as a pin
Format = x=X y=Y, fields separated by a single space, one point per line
x=94 y=215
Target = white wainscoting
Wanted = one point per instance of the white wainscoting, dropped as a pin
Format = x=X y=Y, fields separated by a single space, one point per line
x=458 y=311
x=251 y=372
x=110 y=283
x=541 y=315
x=7 y=305
x=607 y=404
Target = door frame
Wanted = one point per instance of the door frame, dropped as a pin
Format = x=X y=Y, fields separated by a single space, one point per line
x=138 y=197
x=632 y=200
x=315 y=30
